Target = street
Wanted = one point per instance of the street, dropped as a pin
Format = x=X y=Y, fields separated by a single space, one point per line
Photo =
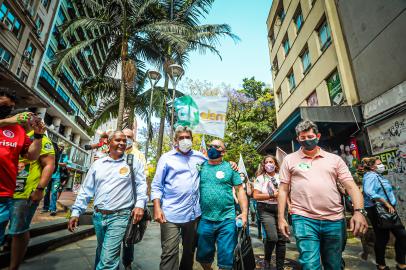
x=80 y=255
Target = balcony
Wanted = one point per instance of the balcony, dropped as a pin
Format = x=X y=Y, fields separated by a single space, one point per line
x=83 y=122
x=47 y=84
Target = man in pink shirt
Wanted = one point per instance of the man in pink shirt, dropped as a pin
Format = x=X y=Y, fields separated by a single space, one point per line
x=311 y=175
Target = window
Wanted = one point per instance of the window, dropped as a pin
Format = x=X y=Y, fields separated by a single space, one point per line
x=45 y=74
x=286 y=45
x=39 y=24
x=61 y=15
x=62 y=93
x=10 y=20
x=324 y=36
x=305 y=60
x=281 y=14
x=5 y=57
x=45 y=3
x=312 y=100
x=29 y=52
x=291 y=79
x=50 y=53
x=271 y=38
x=275 y=66
x=280 y=98
x=299 y=20
x=23 y=77
x=73 y=106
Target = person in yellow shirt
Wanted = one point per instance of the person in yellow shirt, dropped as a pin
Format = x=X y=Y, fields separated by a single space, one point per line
x=33 y=177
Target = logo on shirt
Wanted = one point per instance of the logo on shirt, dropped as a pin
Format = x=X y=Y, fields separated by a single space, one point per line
x=48 y=146
x=8 y=133
x=124 y=171
x=220 y=174
x=303 y=166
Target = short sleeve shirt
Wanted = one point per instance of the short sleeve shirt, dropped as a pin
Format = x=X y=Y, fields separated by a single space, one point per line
x=29 y=172
x=13 y=142
x=313 y=184
x=216 y=191
x=265 y=184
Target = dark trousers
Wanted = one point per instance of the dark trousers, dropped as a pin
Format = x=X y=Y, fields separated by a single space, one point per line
x=268 y=214
x=171 y=234
x=382 y=238
x=47 y=196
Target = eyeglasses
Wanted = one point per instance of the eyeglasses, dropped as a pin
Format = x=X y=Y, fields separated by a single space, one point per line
x=215 y=146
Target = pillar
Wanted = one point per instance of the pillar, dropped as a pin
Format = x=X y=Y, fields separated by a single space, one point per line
x=68 y=132
x=76 y=138
x=41 y=112
x=56 y=122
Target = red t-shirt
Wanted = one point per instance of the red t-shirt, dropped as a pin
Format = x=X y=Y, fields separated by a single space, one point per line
x=13 y=142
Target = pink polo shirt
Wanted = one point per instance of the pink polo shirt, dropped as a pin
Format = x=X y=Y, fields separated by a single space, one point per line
x=314 y=192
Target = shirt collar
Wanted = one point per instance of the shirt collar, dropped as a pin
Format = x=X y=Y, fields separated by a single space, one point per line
x=109 y=159
x=176 y=152
x=320 y=153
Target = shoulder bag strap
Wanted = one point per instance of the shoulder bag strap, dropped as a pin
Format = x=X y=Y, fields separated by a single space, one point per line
x=130 y=162
x=384 y=191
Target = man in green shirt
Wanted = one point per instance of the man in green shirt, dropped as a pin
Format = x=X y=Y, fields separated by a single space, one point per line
x=218 y=219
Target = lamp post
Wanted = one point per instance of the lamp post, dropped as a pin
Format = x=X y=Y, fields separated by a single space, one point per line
x=153 y=77
x=175 y=74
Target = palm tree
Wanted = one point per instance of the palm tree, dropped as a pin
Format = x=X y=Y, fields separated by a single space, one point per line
x=124 y=26
x=186 y=14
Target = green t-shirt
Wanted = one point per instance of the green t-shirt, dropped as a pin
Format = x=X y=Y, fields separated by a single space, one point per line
x=29 y=172
x=216 y=191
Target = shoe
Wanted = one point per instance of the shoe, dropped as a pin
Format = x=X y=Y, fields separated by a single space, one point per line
x=44 y=211
x=53 y=213
x=386 y=268
x=398 y=268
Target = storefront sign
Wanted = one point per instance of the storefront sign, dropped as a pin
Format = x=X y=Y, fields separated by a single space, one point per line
x=335 y=90
x=388 y=134
x=388 y=159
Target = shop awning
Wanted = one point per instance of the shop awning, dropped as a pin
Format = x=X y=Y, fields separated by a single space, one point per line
x=330 y=120
x=26 y=97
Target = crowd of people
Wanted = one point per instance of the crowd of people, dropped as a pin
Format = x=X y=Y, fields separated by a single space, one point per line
x=199 y=201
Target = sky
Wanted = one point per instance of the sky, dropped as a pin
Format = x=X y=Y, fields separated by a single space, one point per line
x=246 y=58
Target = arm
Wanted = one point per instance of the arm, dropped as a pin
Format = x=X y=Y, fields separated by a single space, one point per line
x=282 y=201
x=35 y=148
x=243 y=201
x=142 y=197
x=86 y=192
x=259 y=196
x=48 y=164
x=249 y=188
x=157 y=187
x=235 y=196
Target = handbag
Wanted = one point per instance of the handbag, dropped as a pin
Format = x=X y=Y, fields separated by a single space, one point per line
x=135 y=232
x=386 y=220
x=243 y=253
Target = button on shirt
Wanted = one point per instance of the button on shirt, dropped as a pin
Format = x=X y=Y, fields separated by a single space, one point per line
x=373 y=190
x=176 y=184
x=313 y=183
x=109 y=182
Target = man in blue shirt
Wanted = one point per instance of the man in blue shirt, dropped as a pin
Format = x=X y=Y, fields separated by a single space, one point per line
x=51 y=195
x=217 y=225
x=109 y=182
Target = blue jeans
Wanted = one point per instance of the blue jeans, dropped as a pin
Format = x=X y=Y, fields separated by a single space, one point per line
x=222 y=232
x=51 y=195
x=5 y=205
x=21 y=213
x=110 y=231
x=319 y=239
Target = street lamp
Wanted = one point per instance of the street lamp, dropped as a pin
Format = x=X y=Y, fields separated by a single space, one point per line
x=175 y=74
x=153 y=77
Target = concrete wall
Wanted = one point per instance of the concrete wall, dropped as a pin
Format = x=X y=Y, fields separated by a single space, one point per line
x=376 y=40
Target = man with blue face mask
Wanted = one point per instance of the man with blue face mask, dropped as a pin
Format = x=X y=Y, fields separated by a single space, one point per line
x=218 y=221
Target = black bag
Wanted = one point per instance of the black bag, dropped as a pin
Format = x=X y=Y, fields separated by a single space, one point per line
x=243 y=253
x=135 y=232
x=386 y=220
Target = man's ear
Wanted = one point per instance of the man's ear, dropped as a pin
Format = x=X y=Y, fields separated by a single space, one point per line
x=318 y=136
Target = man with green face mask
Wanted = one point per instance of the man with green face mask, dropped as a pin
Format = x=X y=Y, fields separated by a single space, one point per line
x=310 y=175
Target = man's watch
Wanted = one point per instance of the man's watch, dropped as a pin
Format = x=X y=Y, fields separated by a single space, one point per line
x=362 y=211
x=38 y=136
x=40 y=188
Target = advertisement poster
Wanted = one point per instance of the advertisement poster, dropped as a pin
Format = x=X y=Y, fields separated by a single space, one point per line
x=335 y=90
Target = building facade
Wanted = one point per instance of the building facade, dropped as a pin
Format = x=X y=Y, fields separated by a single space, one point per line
x=312 y=76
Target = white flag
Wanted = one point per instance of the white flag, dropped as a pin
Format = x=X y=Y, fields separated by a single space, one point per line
x=280 y=155
x=241 y=167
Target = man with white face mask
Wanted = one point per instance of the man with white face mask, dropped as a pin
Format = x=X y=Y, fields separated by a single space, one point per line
x=175 y=193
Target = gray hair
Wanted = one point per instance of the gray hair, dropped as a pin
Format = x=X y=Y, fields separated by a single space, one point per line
x=181 y=129
x=112 y=133
x=306 y=125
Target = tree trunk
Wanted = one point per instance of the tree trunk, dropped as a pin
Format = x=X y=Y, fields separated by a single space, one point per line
x=124 y=53
x=163 y=116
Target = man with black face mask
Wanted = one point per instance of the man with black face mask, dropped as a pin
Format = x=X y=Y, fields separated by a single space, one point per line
x=14 y=143
x=311 y=175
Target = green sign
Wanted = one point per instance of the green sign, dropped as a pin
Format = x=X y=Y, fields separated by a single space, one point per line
x=187 y=112
x=335 y=90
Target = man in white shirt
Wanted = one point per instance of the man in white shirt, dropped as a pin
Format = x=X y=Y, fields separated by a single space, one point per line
x=109 y=182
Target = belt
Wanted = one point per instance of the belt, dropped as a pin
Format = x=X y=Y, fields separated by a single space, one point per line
x=108 y=212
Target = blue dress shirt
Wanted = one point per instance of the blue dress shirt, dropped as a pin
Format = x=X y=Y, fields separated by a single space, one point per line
x=176 y=184
x=109 y=182
x=373 y=190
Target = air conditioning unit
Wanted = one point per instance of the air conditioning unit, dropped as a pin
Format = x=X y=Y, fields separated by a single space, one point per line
x=30 y=62
x=3 y=25
x=26 y=54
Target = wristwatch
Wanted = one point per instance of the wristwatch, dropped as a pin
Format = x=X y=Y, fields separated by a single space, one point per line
x=38 y=136
x=362 y=211
x=39 y=188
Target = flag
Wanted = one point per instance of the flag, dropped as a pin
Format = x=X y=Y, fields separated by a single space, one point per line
x=280 y=155
x=203 y=147
x=241 y=167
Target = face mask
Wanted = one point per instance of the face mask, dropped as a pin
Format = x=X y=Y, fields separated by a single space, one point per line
x=129 y=143
x=380 y=168
x=309 y=144
x=269 y=167
x=213 y=153
x=185 y=145
x=242 y=178
x=5 y=111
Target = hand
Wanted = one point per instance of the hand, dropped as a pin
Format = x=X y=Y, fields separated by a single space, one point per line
x=38 y=125
x=37 y=195
x=234 y=166
x=284 y=227
x=358 y=224
x=243 y=218
x=73 y=223
x=137 y=214
x=159 y=215
x=275 y=194
x=289 y=208
x=390 y=208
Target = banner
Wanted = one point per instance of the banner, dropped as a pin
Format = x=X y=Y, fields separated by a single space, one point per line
x=241 y=167
x=204 y=115
x=203 y=147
